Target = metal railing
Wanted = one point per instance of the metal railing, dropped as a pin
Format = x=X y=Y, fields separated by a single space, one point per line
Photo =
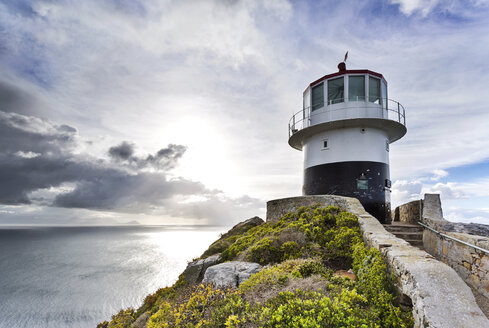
x=453 y=238
x=394 y=111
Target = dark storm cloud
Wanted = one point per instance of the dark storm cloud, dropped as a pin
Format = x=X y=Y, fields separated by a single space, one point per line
x=119 y=191
x=32 y=134
x=14 y=99
x=122 y=152
x=21 y=97
x=21 y=175
x=164 y=159
x=36 y=155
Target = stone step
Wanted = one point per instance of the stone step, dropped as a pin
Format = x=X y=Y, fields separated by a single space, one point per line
x=412 y=233
x=394 y=231
x=416 y=243
x=412 y=229
x=408 y=235
x=403 y=227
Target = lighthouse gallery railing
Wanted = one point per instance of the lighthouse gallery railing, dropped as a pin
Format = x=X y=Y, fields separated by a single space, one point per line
x=302 y=119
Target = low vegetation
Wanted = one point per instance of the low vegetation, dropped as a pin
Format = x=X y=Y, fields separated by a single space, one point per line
x=302 y=284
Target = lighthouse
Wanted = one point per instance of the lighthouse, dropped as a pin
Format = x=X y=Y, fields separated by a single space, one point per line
x=344 y=131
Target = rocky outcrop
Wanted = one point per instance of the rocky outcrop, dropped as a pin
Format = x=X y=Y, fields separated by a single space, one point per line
x=194 y=273
x=244 y=226
x=141 y=321
x=226 y=239
x=475 y=229
x=230 y=274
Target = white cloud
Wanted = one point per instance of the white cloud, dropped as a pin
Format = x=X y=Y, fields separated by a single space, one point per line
x=467 y=215
x=476 y=188
x=449 y=190
x=281 y=8
x=425 y=7
x=458 y=199
x=438 y=174
x=404 y=191
x=408 y=7
x=28 y=154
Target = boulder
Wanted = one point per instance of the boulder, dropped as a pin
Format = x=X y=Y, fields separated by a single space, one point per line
x=141 y=321
x=230 y=274
x=195 y=270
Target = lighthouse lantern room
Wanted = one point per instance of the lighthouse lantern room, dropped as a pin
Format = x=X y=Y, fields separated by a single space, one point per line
x=344 y=131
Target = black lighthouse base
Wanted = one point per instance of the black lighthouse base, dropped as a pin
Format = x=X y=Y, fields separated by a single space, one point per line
x=367 y=181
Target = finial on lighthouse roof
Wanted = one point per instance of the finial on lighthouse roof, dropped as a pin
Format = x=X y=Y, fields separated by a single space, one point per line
x=342 y=65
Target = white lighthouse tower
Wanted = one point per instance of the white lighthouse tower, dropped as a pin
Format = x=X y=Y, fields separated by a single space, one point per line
x=344 y=131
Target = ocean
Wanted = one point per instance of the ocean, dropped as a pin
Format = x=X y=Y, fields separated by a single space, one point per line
x=67 y=277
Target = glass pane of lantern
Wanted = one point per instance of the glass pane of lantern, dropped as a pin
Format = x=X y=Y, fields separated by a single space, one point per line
x=384 y=95
x=336 y=90
x=318 y=96
x=374 y=90
x=356 y=88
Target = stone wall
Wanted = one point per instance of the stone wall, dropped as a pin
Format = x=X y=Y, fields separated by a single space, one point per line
x=440 y=297
x=471 y=264
x=279 y=207
x=408 y=213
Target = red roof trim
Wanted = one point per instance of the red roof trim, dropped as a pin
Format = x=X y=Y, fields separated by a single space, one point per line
x=354 y=71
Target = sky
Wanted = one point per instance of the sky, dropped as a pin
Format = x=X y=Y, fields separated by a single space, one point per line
x=176 y=112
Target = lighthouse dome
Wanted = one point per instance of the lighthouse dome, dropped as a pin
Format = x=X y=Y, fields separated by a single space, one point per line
x=343 y=98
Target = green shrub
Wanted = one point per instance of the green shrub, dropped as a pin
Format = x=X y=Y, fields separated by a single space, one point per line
x=265 y=251
x=230 y=312
x=192 y=313
x=218 y=247
x=242 y=243
x=290 y=250
x=123 y=319
x=267 y=278
x=310 y=267
x=376 y=284
x=311 y=310
x=346 y=219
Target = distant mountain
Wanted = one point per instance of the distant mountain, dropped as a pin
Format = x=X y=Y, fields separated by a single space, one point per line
x=131 y=222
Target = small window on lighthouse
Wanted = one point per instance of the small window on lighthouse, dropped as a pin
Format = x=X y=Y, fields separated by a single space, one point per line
x=362 y=182
x=387 y=145
x=325 y=144
x=374 y=90
x=336 y=90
